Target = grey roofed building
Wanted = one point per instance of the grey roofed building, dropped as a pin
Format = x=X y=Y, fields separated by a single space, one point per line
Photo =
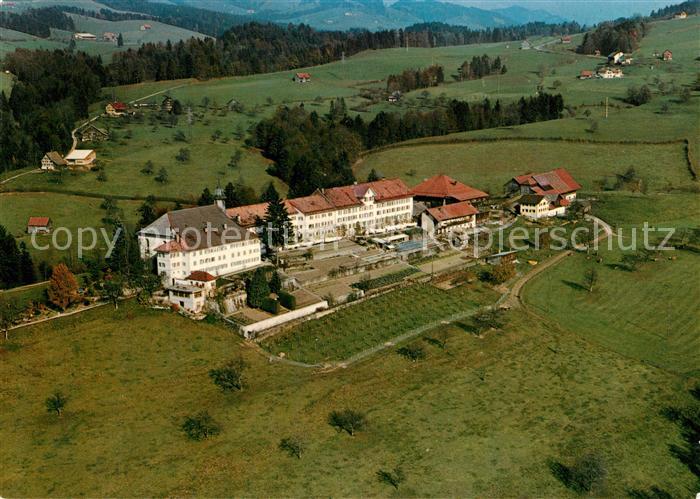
x=198 y=228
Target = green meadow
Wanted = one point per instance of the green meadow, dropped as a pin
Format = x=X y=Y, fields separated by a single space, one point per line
x=482 y=418
x=646 y=314
x=489 y=165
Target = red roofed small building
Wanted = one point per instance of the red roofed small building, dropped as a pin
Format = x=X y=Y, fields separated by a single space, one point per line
x=191 y=293
x=39 y=225
x=116 y=109
x=667 y=55
x=445 y=220
x=302 y=77
x=586 y=75
x=442 y=189
x=566 y=39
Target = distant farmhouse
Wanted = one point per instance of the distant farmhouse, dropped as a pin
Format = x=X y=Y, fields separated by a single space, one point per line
x=167 y=105
x=108 y=36
x=302 y=77
x=91 y=133
x=395 y=96
x=145 y=27
x=525 y=45
x=81 y=157
x=545 y=194
x=667 y=55
x=586 y=75
x=566 y=39
x=52 y=160
x=680 y=15
x=607 y=73
x=116 y=109
x=38 y=225
x=615 y=57
x=84 y=36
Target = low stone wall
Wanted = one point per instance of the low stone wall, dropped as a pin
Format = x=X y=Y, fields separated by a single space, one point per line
x=250 y=330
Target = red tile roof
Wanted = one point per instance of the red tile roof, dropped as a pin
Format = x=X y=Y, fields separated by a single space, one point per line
x=315 y=203
x=442 y=186
x=304 y=75
x=119 y=106
x=169 y=247
x=200 y=275
x=248 y=215
x=557 y=181
x=38 y=221
x=451 y=211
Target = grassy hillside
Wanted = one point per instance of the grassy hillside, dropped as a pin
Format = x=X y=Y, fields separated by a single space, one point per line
x=619 y=313
x=489 y=165
x=72 y=212
x=483 y=417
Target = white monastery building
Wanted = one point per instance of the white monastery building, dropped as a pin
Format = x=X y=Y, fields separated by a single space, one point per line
x=201 y=239
x=330 y=214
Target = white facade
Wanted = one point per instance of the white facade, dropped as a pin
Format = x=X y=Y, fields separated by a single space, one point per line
x=543 y=209
x=370 y=217
x=219 y=260
x=198 y=239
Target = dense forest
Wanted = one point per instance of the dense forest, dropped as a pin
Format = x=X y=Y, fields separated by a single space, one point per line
x=622 y=35
x=37 y=22
x=480 y=67
x=52 y=91
x=311 y=151
x=412 y=79
x=16 y=266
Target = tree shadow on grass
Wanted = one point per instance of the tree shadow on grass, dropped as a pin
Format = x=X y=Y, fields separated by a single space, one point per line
x=575 y=285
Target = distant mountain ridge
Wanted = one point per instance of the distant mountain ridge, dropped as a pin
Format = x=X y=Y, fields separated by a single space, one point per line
x=373 y=14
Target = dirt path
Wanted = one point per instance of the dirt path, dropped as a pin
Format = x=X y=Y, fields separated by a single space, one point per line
x=38 y=170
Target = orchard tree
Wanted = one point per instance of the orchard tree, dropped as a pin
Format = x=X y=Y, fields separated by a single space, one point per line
x=347 y=420
x=56 y=403
x=590 y=279
x=294 y=446
x=229 y=377
x=63 y=287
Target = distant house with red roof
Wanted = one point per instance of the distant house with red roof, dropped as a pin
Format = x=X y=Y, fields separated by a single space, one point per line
x=667 y=55
x=565 y=39
x=442 y=189
x=302 y=77
x=544 y=194
x=38 y=225
x=450 y=218
x=116 y=109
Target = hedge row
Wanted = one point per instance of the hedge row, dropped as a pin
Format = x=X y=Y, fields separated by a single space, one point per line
x=288 y=300
x=271 y=305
